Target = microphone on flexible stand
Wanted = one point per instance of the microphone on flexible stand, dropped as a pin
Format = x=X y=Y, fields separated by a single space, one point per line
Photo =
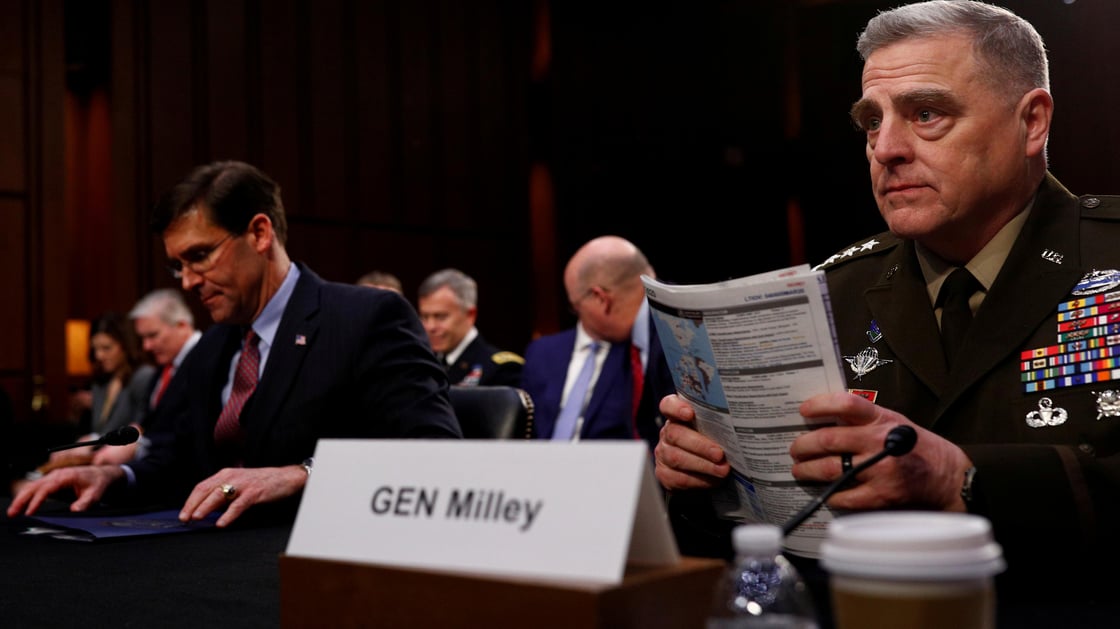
x=899 y=441
x=119 y=437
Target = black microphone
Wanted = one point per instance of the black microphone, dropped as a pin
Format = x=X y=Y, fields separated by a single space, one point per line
x=899 y=441
x=119 y=437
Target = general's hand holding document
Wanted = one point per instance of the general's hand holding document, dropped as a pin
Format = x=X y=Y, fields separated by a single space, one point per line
x=746 y=353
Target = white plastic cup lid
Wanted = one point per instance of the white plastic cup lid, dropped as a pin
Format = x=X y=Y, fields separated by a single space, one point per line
x=921 y=545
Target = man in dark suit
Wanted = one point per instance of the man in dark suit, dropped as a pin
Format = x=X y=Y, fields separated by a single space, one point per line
x=603 y=282
x=291 y=359
x=165 y=326
x=1020 y=421
x=448 y=306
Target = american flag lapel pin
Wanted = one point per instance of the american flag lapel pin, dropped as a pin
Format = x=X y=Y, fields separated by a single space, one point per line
x=301 y=339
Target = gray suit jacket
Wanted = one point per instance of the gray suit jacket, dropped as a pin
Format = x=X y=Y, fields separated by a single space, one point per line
x=131 y=405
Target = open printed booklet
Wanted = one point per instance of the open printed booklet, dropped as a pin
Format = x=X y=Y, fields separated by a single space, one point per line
x=746 y=353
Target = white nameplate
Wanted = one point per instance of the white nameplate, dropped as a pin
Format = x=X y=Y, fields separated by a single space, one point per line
x=563 y=511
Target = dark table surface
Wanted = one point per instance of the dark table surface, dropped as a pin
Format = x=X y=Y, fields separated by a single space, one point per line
x=229 y=578
x=208 y=578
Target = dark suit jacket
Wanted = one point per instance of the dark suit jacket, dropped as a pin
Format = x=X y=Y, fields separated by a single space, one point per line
x=482 y=364
x=1051 y=492
x=609 y=412
x=346 y=362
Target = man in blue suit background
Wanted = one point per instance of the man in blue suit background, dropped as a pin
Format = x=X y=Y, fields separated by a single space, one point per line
x=322 y=359
x=628 y=368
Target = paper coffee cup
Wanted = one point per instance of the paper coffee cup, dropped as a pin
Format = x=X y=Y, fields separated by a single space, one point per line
x=913 y=569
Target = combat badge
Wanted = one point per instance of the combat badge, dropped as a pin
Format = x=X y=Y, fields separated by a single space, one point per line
x=1097 y=282
x=866 y=361
x=1047 y=414
x=1108 y=403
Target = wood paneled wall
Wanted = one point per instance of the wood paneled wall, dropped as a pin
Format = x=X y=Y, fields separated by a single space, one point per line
x=403 y=133
x=395 y=128
x=33 y=291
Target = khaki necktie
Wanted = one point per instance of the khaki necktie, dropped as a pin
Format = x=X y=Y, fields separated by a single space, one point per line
x=956 y=315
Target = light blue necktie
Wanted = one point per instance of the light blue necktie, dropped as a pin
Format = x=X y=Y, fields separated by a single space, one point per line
x=566 y=422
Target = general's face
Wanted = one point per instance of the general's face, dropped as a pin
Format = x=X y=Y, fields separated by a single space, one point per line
x=222 y=269
x=445 y=319
x=107 y=352
x=945 y=149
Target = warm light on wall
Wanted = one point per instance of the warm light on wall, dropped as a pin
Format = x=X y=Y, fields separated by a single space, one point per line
x=77 y=348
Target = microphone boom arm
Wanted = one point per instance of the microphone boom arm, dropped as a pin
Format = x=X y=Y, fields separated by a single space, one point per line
x=817 y=502
x=119 y=437
x=899 y=441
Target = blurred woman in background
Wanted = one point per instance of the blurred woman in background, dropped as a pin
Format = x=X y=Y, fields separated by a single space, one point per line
x=122 y=382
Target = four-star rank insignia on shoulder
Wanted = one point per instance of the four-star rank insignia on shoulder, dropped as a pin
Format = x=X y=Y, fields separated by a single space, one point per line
x=875 y=244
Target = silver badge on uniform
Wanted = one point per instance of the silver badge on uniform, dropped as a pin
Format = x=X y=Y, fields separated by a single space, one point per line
x=1108 y=403
x=1047 y=414
x=866 y=361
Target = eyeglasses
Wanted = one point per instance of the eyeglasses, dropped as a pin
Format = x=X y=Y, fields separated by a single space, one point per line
x=198 y=260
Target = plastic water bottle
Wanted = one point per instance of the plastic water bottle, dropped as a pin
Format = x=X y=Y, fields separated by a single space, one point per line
x=762 y=588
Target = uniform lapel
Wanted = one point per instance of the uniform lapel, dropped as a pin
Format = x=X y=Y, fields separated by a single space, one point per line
x=1005 y=320
x=900 y=305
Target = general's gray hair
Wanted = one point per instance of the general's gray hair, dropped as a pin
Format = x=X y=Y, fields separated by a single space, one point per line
x=1011 y=54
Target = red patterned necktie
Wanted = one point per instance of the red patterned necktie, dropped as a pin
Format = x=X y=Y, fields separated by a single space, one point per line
x=228 y=428
x=164 y=378
x=639 y=375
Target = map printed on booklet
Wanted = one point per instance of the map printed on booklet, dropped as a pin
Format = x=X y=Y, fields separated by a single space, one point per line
x=746 y=353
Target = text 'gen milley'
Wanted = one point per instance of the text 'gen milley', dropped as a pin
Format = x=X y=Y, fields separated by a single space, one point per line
x=485 y=505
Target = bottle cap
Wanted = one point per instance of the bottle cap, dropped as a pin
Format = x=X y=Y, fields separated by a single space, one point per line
x=757 y=539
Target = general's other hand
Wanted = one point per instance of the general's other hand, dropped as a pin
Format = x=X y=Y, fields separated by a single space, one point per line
x=251 y=486
x=928 y=477
x=686 y=459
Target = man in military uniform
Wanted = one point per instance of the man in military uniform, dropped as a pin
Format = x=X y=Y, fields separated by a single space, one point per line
x=448 y=304
x=1019 y=418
